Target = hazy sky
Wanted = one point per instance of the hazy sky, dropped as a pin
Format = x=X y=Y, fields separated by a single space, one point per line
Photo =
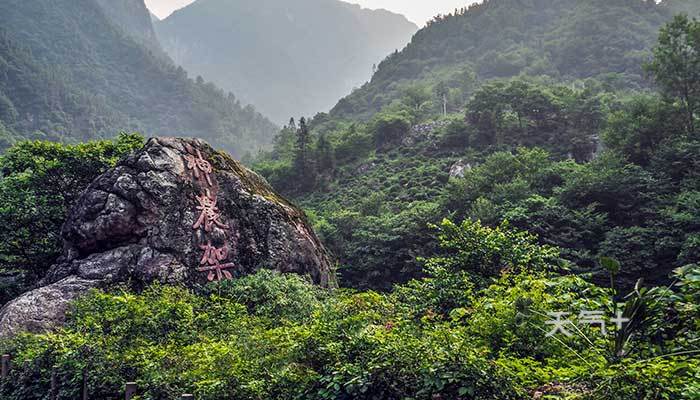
x=418 y=11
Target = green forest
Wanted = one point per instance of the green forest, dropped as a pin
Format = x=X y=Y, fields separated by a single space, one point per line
x=519 y=162
x=45 y=94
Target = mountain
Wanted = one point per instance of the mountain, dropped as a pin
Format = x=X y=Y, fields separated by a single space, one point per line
x=560 y=40
x=35 y=98
x=289 y=58
x=504 y=111
x=134 y=18
x=80 y=69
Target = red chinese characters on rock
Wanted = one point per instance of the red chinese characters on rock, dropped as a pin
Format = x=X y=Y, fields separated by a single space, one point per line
x=211 y=262
x=213 y=259
x=199 y=166
x=209 y=213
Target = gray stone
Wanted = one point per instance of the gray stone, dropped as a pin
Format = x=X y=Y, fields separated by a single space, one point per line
x=459 y=168
x=134 y=224
x=39 y=309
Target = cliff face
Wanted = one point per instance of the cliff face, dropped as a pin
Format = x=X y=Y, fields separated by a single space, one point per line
x=175 y=212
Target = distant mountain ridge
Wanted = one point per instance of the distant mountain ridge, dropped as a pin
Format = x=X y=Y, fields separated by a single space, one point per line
x=134 y=18
x=101 y=73
x=560 y=40
x=289 y=58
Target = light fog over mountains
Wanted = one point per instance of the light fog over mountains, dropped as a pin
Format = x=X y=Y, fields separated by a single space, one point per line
x=287 y=58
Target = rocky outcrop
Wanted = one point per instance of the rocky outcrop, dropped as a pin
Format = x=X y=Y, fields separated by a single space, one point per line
x=174 y=212
x=458 y=169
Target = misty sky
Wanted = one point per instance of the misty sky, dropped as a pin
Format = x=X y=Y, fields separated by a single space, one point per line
x=418 y=11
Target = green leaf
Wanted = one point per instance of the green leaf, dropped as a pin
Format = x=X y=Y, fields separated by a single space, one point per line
x=610 y=264
x=466 y=390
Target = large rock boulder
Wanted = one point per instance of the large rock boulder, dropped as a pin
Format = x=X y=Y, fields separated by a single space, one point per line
x=174 y=212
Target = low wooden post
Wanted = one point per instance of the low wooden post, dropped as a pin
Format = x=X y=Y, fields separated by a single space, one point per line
x=130 y=390
x=5 y=366
x=54 y=384
x=187 y=397
x=85 y=385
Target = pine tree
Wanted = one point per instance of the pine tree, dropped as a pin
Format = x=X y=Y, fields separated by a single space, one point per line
x=325 y=159
x=301 y=158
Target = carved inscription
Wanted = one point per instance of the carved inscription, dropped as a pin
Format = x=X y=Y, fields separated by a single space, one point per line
x=213 y=259
x=209 y=213
x=211 y=263
x=199 y=167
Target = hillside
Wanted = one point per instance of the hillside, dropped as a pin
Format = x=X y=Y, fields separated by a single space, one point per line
x=556 y=40
x=502 y=238
x=38 y=102
x=103 y=79
x=134 y=18
x=586 y=164
x=287 y=58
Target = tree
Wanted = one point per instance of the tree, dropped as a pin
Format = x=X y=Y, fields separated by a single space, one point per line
x=485 y=113
x=416 y=98
x=301 y=157
x=325 y=160
x=639 y=126
x=676 y=65
x=520 y=113
x=484 y=252
x=41 y=181
x=389 y=128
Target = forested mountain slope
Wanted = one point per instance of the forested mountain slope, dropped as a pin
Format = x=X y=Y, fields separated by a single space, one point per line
x=594 y=167
x=99 y=79
x=530 y=239
x=134 y=18
x=34 y=97
x=288 y=58
x=560 y=40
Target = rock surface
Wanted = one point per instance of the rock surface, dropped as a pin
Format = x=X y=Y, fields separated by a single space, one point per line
x=135 y=224
x=458 y=169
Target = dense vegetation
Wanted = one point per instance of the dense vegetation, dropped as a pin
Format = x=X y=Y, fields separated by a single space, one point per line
x=475 y=208
x=560 y=40
x=294 y=57
x=33 y=98
x=592 y=170
x=41 y=181
x=466 y=331
x=118 y=84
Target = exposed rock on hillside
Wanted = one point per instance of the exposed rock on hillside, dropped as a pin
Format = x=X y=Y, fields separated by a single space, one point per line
x=175 y=212
x=458 y=169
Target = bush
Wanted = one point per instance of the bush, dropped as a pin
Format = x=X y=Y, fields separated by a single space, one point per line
x=274 y=336
x=40 y=183
x=389 y=129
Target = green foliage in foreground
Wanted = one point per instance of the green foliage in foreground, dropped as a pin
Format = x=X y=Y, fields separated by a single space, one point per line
x=39 y=183
x=271 y=336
